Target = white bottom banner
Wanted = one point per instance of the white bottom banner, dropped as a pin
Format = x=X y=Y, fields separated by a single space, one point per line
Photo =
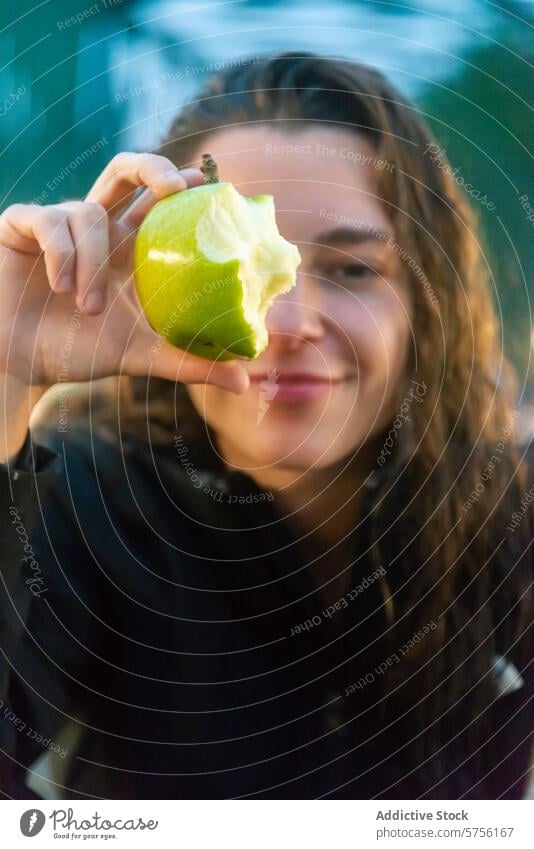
x=266 y=824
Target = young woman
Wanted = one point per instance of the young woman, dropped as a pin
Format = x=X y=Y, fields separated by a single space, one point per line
x=302 y=576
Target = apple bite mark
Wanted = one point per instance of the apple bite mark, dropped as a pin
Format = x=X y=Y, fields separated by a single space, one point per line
x=208 y=263
x=244 y=229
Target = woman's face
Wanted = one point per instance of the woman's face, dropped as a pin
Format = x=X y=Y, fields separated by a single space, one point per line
x=347 y=319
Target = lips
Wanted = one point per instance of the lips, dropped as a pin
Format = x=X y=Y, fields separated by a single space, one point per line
x=294 y=387
x=275 y=376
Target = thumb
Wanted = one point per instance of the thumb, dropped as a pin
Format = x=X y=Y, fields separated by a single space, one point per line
x=166 y=361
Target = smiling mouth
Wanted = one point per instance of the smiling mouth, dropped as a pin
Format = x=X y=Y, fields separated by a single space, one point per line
x=274 y=376
x=297 y=388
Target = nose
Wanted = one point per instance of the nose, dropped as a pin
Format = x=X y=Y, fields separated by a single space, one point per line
x=295 y=316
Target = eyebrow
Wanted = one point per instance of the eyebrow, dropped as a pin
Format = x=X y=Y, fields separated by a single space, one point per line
x=344 y=235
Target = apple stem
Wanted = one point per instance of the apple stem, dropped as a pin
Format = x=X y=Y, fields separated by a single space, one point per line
x=209 y=168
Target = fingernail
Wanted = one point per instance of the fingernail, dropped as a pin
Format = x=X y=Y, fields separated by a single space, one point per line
x=93 y=302
x=64 y=284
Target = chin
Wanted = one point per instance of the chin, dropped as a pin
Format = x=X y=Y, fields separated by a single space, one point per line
x=296 y=452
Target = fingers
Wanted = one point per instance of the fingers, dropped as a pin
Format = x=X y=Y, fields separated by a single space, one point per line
x=75 y=236
x=118 y=182
x=137 y=210
x=74 y=240
x=31 y=229
x=177 y=365
x=88 y=224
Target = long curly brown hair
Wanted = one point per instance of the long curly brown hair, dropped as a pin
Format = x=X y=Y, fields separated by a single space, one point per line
x=446 y=554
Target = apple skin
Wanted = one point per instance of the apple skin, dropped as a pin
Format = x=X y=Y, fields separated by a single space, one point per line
x=194 y=303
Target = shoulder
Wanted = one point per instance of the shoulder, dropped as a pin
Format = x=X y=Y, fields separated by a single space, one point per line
x=95 y=469
x=99 y=449
x=85 y=454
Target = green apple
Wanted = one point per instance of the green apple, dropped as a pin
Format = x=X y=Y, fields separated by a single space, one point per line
x=208 y=263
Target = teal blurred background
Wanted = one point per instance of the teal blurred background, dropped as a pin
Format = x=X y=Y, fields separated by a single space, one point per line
x=73 y=91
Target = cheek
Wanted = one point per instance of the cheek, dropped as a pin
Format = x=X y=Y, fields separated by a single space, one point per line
x=377 y=332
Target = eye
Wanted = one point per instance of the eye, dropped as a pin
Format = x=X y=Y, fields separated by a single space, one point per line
x=354 y=273
x=356 y=270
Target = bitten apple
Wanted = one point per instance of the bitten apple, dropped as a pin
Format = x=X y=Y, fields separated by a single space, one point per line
x=208 y=263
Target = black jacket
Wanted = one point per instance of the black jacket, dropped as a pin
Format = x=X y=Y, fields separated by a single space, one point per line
x=164 y=613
